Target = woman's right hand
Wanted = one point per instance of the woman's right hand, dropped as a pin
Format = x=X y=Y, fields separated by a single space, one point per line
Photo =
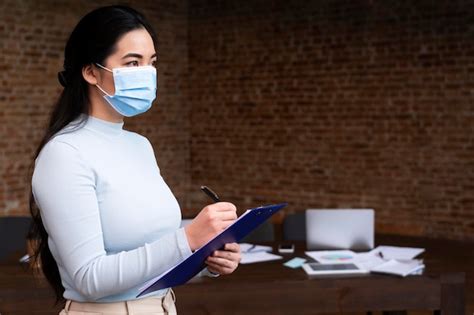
x=212 y=220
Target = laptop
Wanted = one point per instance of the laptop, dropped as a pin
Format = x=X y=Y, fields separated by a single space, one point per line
x=340 y=229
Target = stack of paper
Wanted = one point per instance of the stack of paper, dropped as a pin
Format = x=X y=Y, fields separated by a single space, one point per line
x=400 y=268
x=383 y=259
x=398 y=260
x=368 y=260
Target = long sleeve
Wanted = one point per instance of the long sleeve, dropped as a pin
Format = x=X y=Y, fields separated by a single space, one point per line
x=64 y=187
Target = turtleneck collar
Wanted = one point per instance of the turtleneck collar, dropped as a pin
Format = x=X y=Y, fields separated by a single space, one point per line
x=104 y=126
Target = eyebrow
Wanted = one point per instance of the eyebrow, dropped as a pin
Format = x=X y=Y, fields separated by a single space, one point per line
x=136 y=55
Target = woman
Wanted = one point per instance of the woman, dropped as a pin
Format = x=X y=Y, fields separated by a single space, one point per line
x=105 y=219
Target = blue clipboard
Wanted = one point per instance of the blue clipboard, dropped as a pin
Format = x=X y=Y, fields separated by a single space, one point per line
x=192 y=265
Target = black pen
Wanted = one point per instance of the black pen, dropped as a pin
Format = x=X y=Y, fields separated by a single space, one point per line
x=210 y=193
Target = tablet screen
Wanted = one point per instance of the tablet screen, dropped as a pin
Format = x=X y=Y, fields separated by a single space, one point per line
x=333 y=267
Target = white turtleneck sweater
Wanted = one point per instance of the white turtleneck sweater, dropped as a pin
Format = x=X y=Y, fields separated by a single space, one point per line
x=112 y=221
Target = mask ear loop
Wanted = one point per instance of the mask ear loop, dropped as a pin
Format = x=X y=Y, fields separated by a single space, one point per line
x=102 y=90
x=98 y=86
x=101 y=66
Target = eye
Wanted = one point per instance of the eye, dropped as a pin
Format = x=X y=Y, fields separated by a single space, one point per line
x=154 y=63
x=133 y=63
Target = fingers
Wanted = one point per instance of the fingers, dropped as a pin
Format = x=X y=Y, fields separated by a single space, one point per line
x=223 y=211
x=222 y=265
x=227 y=216
x=221 y=215
x=210 y=221
x=219 y=269
x=224 y=262
x=233 y=247
x=229 y=257
x=223 y=206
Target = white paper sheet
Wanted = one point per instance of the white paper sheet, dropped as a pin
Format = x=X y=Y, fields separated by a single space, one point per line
x=371 y=260
x=253 y=248
x=401 y=253
x=399 y=268
x=250 y=258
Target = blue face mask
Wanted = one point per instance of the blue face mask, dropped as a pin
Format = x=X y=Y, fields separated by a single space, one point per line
x=135 y=89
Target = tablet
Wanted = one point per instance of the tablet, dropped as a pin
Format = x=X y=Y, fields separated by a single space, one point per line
x=315 y=269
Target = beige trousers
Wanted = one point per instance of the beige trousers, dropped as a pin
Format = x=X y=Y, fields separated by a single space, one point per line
x=146 y=306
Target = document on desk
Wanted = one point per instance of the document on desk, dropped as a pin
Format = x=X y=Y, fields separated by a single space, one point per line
x=370 y=261
x=253 y=248
x=399 y=267
x=250 y=258
x=365 y=261
x=192 y=265
x=396 y=252
x=332 y=256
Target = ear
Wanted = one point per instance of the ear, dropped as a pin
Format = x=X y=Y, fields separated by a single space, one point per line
x=90 y=74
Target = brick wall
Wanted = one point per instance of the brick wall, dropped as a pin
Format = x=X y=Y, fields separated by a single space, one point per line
x=337 y=104
x=32 y=39
x=318 y=103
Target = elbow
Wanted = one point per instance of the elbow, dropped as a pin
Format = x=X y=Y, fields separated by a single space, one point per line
x=89 y=293
x=87 y=285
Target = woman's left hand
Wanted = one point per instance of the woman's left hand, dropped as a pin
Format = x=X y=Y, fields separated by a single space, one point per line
x=224 y=261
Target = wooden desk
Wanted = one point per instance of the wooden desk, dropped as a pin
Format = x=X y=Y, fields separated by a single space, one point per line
x=270 y=288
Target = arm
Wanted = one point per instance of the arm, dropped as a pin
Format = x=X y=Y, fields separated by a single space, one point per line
x=64 y=189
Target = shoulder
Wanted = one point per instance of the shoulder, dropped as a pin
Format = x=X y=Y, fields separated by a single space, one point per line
x=58 y=146
x=58 y=162
x=61 y=150
x=69 y=136
x=138 y=138
x=63 y=147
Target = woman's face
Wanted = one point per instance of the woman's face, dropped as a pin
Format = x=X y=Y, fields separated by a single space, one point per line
x=134 y=49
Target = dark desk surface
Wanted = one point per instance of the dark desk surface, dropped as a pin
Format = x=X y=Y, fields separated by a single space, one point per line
x=269 y=287
x=257 y=288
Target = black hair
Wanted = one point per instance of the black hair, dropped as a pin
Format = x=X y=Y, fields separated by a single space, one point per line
x=92 y=41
